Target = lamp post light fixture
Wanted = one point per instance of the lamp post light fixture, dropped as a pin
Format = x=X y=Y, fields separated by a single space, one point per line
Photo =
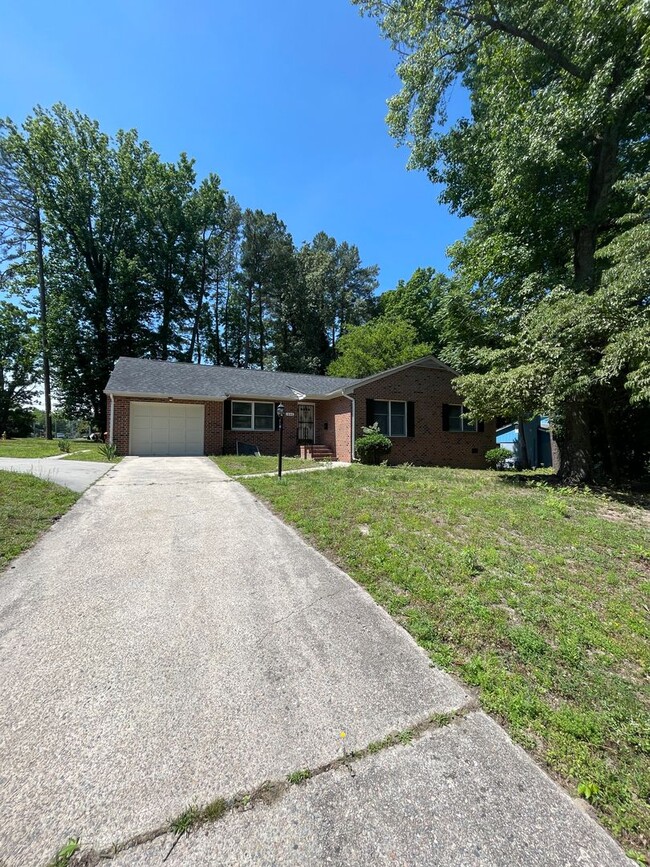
x=280 y=414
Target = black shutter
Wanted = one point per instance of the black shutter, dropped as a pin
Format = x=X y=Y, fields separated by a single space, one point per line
x=227 y=414
x=370 y=412
x=445 y=416
x=277 y=417
x=481 y=427
x=410 y=419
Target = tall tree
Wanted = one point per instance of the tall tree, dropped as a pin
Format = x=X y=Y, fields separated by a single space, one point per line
x=89 y=189
x=267 y=269
x=19 y=369
x=559 y=96
x=21 y=234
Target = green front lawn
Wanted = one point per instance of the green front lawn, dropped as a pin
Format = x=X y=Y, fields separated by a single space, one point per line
x=34 y=447
x=239 y=465
x=27 y=507
x=535 y=595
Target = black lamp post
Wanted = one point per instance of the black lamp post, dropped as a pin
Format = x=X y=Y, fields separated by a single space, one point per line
x=280 y=414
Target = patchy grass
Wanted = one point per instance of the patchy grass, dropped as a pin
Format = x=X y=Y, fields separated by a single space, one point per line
x=27 y=507
x=34 y=447
x=531 y=593
x=90 y=452
x=239 y=465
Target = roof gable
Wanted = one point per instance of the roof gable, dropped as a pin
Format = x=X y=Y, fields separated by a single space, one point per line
x=427 y=361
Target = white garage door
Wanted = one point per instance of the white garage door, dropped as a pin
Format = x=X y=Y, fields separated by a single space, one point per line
x=166 y=429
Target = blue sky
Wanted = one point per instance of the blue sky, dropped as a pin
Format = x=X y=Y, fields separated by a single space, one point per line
x=284 y=100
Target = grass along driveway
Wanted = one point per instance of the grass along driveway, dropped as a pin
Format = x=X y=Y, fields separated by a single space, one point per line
x=28 y=506
x=534 y=595
x=36 y=447
x=240 y=465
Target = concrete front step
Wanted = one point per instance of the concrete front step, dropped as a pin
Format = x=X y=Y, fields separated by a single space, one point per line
x=317 y=453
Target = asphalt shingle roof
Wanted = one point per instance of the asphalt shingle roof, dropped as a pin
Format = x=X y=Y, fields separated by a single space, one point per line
x=142 y=376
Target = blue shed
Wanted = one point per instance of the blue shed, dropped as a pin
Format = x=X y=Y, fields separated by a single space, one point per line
x=537 y=435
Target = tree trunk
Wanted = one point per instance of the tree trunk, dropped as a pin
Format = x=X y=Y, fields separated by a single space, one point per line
x=261 y=316
x=247 y=338
x=575 y=446
x=43 y=322
x=611 y=442
x=523 y=447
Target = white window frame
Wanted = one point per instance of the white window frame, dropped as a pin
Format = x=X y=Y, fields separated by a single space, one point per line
x=390 y=417
x=463 y=429
x=253 y=404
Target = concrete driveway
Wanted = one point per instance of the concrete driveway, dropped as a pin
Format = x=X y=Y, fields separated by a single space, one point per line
x=170 y=642
x=76 y=475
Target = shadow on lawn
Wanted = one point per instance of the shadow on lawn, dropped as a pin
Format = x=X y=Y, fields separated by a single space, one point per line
x=635 y=494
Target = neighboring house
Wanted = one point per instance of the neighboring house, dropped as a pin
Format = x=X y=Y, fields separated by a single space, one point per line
x=172 y=408
x=537 y=435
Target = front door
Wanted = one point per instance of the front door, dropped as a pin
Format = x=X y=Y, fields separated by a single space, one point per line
x=305 y=423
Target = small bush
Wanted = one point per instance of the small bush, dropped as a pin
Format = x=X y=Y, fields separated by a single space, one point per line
x=495 y=458
x=373 y=446
x=108 y=450
x=64 y=446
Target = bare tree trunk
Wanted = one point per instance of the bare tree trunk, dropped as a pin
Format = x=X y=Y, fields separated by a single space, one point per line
x=611 y=442
x=247 y=337
x=575 y=446
x=43 y=322
x=261 y=315
x=524 y=460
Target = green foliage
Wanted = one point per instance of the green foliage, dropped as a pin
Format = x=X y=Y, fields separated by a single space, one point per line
x=187 y=820
x=18 y=367
x=546 y=167
x=494 y=458
x=108 y=450
x=299 y=776
x=143 y=260
x=64 y=446
x=418 y=302
x=65 y=853
x=373 y=446
x=379 y=345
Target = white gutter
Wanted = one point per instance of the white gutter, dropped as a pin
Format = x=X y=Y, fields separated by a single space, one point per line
x=110 y=424
x=354 y=420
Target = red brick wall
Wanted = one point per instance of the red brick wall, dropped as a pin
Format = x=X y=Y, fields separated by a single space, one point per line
x=212 y=433
x=337 y=414
x=268 y=442
x=428 y=388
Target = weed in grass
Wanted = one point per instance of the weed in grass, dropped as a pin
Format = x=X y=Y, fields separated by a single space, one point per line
x=65 y=853
x=587 y=790
x=299 y=776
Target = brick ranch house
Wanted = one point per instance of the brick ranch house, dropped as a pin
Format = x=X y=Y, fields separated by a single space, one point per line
x=173 y=408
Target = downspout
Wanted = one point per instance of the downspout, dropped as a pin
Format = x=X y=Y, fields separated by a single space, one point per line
x=110 y=424
x=354 y=421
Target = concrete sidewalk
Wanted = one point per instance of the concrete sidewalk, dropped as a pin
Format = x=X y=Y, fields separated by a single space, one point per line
x=169 y=642
x=76 y=475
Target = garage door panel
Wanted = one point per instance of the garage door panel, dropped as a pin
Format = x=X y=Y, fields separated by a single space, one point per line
x=166 y=429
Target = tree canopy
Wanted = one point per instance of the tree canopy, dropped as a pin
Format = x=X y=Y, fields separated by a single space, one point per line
x=141 y=259
x=545 y=166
